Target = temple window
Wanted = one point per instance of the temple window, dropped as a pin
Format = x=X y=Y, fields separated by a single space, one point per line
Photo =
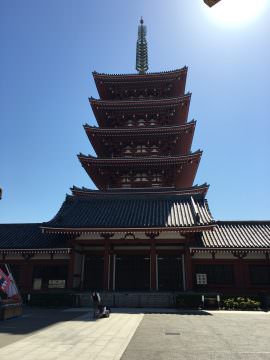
x=154 y=149
x=129 y=122
x=217 y=274
x=157 y=178
x=141 y=122
x=127 y=150
x=141 y=149
x=140 y=177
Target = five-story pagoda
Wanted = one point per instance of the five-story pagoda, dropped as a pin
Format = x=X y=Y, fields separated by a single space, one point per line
x=133 y=233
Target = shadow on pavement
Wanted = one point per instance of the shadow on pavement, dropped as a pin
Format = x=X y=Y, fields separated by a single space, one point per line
x=159 y=311
x=35 y=319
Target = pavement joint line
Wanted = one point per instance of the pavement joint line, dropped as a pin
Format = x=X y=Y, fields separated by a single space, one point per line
x=111 y=338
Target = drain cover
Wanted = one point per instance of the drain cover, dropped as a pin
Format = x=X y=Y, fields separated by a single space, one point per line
x=172 y=333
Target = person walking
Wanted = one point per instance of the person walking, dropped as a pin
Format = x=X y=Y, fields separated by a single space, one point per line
x=96 y=303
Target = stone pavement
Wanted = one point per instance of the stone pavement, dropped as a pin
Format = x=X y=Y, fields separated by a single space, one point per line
x=136 y=334
x=82 y=338
x=201 y=335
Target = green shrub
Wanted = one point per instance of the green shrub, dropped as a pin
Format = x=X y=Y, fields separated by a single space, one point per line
x=240 y=303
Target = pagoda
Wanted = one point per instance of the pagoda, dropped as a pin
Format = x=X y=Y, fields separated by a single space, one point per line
x=143 y=139
x=144 y=170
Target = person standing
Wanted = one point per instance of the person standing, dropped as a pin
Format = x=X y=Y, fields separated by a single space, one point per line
x=96 y=302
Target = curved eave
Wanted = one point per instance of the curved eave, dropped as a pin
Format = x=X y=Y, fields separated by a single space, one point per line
x=134 y=77
x=181 y=135
x=78 y=231
x=192 y=191
x=139 y=131
x=137 y=104
x=142 y=160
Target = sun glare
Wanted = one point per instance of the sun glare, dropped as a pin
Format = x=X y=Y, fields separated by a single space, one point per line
x=236 y=12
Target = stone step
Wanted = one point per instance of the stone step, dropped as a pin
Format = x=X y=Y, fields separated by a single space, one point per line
x=132 y=299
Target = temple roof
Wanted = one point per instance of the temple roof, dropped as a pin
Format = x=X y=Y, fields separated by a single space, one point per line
x=238 y=235
x=154 y=160
x=105 y=172
x=176 y=139
x=141 y=77
x=144 y=130
x=132 y=211
x=142 y=103
x=29 y=236
x=198 y=190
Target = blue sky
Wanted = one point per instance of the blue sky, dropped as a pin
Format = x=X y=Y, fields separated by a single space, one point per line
x=48 y=51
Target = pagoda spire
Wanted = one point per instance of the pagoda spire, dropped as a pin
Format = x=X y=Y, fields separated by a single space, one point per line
x=141 y=50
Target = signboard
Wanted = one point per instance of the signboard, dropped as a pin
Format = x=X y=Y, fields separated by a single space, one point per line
x=37 y=283
x=201 y=279
x=57 y=284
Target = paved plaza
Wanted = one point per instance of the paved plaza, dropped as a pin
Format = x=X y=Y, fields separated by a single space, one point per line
x=135 y=334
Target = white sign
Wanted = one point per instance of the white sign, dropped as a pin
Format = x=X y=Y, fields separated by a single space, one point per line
x=201 y=279
x=37 y=284
x=57 y=284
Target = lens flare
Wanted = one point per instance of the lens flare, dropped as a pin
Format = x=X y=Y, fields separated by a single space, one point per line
x=237 y=12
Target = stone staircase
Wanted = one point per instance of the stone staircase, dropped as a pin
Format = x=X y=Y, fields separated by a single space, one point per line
x=130 y=299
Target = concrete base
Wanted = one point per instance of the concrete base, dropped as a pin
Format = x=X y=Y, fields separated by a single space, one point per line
x=130 y=299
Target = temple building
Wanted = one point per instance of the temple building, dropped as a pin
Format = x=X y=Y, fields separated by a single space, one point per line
x=146 y=227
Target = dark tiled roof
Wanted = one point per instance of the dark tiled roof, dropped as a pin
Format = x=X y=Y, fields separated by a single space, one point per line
x=237 y=234
x=194 y=190
x=132 y=211
x=28 y=236
x=137 y=76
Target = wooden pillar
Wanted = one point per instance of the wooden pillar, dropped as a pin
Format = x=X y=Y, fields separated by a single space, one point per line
x=106 y=268
x=153 y=261
x=70 y=270
x=188 y=270
x=106 y=256
x=153 y=265
x=240 y=271
x=27 y=271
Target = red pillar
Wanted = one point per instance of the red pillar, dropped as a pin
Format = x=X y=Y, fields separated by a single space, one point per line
x=70 y=271
x=106 y=270
x=153 y=265
x=188 y=270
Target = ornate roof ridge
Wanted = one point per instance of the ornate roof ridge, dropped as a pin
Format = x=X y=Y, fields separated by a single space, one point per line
x=136 y=75
x=136 y=102
x=19 y=224
x=245 y=222
x=137 y=159
x=194 y=190
x=141 y=129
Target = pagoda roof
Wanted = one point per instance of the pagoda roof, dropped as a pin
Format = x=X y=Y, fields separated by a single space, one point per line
x=22 y=237
x=131 y=211
x=103 y=171
x=143 y=130
x=141 y=103
x=141 y=77
x=198 y=190
x=237 y=235
x=154 y=160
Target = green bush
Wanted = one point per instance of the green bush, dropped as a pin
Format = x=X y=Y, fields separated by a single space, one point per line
x=240 y=303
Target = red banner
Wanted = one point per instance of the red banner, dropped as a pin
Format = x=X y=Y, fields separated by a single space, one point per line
x=4 y=281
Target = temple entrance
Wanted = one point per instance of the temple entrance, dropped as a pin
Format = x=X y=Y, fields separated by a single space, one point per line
x=93 y=272
x=170 y=273
x=132 y=272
